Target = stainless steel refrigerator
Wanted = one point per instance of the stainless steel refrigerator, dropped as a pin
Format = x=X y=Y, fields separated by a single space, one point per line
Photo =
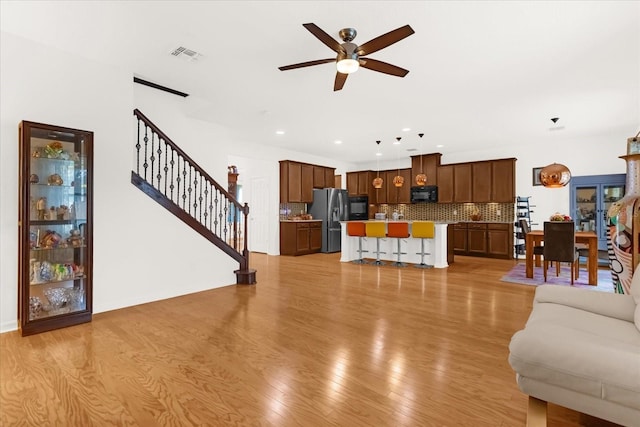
x=331 y=205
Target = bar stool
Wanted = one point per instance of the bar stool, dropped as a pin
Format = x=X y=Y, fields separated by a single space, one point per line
x=376 y=229
x=357 y=229
x=398 y=230
x=423 y=230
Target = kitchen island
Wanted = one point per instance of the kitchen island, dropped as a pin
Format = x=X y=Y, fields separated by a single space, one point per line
x=440 y=248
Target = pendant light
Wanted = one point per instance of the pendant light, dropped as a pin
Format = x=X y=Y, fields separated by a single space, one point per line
x=398 y=180
x=555 y=175
x=377 y=181
x=421 y=178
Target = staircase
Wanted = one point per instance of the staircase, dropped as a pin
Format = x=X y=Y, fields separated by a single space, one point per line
x=170 y=177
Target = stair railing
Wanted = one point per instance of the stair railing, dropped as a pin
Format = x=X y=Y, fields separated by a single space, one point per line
x=168 y=175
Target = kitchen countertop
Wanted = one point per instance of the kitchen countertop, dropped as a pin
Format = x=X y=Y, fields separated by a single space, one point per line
x=437 y=222
x=300 y=220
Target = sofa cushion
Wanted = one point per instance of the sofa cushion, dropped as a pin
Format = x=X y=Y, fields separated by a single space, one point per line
x=581 y=351
x=618 y=306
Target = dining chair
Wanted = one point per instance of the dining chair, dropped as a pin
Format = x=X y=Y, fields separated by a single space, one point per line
x=524 y=226
x=560 y=246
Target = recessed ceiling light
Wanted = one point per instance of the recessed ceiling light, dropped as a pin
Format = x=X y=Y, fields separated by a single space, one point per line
x=337 y=142
x=406 y=129
x=378 y=154
x=439 y=146
x=279 y=132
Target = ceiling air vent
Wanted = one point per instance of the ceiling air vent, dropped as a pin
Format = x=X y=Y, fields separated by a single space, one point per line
x=186 y=54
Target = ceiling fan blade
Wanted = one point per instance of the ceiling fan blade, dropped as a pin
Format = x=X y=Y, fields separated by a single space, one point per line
x=385 y=40
x=324 y=37
x=383 y=67
x=340 y=79
x=306 y=64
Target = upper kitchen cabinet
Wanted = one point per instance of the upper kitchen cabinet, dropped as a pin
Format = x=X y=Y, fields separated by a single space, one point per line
x=462 y=183
x=481 y=185
x=429 y=167
x=297 y=181
x=360 y=183
x=503 y=185
x=55 y=223
x=323 y=177
x=445 y=184
x=398 y=194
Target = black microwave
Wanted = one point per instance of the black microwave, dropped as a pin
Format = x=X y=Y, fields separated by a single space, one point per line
x=424 y=194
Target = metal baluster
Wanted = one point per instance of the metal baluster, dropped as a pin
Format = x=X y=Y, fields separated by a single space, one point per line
x=206 y=201
x=146 y=141
x=138 y=150
x=153 y=157
x=166 y=168
x=159 y=175
x=184 y=182
x=190 y=189
x=200 y=201
x=172 y=177
x=195 y=193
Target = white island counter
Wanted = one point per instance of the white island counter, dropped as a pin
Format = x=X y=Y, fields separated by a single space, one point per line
x=437 y=247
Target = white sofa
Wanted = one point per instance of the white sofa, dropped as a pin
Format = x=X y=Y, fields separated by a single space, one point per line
x=581 y=349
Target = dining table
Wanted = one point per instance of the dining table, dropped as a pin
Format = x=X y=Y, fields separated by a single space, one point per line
x=590 y=238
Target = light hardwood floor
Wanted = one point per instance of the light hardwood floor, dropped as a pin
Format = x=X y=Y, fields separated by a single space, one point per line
x=315 y=343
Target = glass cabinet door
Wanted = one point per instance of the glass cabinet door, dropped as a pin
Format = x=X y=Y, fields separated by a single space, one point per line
x=55 y=227
x=591 y=197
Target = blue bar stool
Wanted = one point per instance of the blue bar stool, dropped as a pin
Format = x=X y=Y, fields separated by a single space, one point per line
x=357 y=229
x=398 y=230
x=423 y=230
x=377 y=229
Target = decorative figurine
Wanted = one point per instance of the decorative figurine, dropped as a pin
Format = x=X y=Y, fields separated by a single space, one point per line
x=33 y=178
x=55 y=179
x=41 y=205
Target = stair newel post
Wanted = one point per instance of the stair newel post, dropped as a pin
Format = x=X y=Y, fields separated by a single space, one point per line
x=245 y=250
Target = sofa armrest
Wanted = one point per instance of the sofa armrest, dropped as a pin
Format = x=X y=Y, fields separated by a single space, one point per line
x=618 y=306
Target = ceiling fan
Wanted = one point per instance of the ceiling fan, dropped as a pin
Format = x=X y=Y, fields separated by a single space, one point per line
x=350 y=55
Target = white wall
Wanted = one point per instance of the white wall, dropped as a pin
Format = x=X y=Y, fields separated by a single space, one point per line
x=141 y=252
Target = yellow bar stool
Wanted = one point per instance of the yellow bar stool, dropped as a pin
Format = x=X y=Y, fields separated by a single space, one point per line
x=423 y=230
x=398 y=230
x=357 y=229
x=377 y=229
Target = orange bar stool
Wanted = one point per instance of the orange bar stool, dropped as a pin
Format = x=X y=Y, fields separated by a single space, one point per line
x=398 y=230
x=357 y=229
x=376 y=229
x=423 y=230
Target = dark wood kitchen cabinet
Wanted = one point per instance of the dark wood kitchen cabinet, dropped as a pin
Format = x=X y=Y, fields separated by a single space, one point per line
x=430 y=164
x=300 y=237
x=462 y=183
x=481 y=182
x=490 y=240
x=503 y=185
x=395 y=194
x=360 y=183
x=297 y=180
x=445 y=184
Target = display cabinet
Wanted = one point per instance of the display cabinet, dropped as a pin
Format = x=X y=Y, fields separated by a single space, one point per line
x=55 y=226
x=591 y=198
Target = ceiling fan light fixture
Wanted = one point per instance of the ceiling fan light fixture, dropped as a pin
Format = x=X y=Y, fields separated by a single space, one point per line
x=347 y=66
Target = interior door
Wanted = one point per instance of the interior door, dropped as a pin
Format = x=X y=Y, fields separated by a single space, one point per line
x=258 y=215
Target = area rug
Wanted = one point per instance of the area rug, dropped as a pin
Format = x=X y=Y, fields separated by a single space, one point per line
x=517 y=275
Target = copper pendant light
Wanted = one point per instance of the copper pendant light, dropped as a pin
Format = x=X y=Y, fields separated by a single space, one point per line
x=421 y=178
x=377 y=181
x=398 y=180
x=555 y=175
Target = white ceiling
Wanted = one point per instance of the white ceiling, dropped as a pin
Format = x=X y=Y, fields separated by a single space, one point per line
x=481 y=73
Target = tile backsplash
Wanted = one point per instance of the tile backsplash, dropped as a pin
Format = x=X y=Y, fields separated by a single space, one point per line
x=499 y=212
